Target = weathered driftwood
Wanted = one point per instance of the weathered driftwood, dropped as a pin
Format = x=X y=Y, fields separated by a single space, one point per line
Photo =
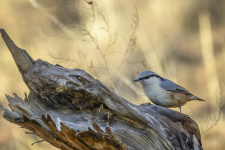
x=71 y=110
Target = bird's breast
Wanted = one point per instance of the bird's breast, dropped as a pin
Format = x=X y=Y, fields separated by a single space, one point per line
x=159 y=96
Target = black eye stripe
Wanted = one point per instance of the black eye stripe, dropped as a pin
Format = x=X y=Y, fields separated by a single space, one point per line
x=147 y=77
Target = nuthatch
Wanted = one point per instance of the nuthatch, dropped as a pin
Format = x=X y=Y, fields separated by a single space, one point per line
x=164 y=92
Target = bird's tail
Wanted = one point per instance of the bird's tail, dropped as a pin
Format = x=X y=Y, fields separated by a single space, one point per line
x=192 y=97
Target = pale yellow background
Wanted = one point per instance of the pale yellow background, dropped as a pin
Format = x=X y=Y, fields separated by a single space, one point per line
x=180 y=40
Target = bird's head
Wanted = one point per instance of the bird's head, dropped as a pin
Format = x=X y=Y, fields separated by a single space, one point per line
x=148 y=77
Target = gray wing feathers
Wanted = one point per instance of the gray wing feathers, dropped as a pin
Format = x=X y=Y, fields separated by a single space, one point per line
x=173 y=87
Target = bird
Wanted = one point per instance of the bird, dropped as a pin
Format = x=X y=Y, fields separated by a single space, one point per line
x=163 y=92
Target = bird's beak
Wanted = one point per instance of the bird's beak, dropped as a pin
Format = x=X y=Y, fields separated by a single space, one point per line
x=137 y=80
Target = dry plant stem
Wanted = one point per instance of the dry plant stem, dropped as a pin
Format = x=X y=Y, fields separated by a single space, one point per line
x=216 y=117
x=94 y=40
x=63 y=109
x=131 y=43
x=107 y=29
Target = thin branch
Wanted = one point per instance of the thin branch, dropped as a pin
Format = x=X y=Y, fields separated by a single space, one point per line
x=38 y=142
x=56 y=21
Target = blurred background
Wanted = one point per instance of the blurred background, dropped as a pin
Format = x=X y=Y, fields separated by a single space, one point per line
x=114 y=41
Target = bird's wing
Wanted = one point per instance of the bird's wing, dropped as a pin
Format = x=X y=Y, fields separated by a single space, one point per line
x=173 y=87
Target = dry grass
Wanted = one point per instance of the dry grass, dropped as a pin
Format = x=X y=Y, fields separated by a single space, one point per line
x=116 y=40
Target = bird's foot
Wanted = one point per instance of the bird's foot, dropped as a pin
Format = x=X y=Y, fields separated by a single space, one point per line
x=144 y=104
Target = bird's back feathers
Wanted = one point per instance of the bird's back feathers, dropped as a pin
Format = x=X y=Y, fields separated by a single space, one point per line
x=173 y=87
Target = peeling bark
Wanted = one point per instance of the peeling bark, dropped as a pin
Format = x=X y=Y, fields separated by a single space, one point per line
x=70 y=109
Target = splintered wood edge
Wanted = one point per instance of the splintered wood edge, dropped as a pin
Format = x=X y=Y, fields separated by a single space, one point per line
x=22 y=59
x=36 y=128
x=116 y=139
x=67 y=138
x=87 y=139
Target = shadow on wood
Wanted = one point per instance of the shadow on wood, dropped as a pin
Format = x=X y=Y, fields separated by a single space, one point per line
x=71 y=110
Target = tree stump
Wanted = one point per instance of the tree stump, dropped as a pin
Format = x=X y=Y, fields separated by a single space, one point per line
x=71 y=110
